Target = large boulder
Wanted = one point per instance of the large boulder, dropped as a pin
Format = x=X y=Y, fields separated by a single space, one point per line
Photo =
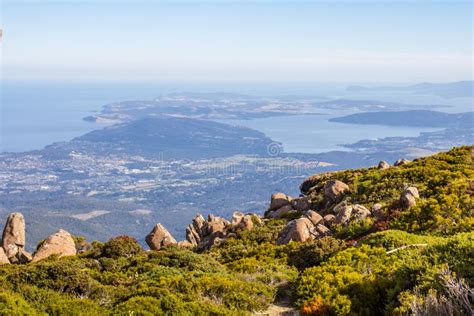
x=159 y=237
x=408 y=197
x=383 y=165
x=13 y=238
x=59 y=243
x=3 y=257
x=335 y=189
x=278 y=200
x=296 y=230
x=194 y=231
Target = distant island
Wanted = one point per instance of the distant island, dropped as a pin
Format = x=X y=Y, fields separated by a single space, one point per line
x=418 y=118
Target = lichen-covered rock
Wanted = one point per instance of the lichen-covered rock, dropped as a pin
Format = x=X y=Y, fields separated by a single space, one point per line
x=408 y=197
x=314 y=217
x=159 y=237
x=400 y=162
x=3 y=257
x=13 y=238
x=360 y=211
x=59 y=243
x=335 y=189
x=383 y=165
x=278 y=200
x=344 y=214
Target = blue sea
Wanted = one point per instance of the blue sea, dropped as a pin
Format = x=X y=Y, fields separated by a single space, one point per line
x=36 y=114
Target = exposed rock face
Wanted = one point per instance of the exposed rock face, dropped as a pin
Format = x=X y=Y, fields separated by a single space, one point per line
x=13 y=238
x=401 y=162
x=159 y=237
x=278 y=200
x=3 y=257
x=59 y=243
x=383 y=165
x=408 y=197
x=334 y=189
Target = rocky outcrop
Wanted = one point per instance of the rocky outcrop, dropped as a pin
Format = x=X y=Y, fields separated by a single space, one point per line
x=408 y=197
x=203 y=234
x=13 y=238
x=400 y=162
x=335 y=189
x=159 y=237
x=383 y=165
x=59 y=243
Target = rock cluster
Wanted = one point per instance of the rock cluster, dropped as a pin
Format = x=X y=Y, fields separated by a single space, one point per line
x=13 y=250
x=202 y=234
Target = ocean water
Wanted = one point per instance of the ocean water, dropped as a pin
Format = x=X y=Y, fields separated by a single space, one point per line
x=36 y=114
x=315 y=134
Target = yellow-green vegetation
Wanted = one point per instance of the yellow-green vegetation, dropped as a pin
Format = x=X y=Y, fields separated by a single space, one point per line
x=331 y=276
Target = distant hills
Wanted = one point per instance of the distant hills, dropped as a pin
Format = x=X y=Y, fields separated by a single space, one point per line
x=177 y=138
x=417 y=118
x=459 y=89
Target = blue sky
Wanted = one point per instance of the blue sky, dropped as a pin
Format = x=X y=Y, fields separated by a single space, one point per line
x=293 y=41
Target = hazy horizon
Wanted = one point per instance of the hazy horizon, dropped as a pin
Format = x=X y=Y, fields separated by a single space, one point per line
x=338 y=42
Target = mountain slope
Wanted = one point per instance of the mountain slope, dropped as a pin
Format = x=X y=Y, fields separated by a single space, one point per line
x=401 y=259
